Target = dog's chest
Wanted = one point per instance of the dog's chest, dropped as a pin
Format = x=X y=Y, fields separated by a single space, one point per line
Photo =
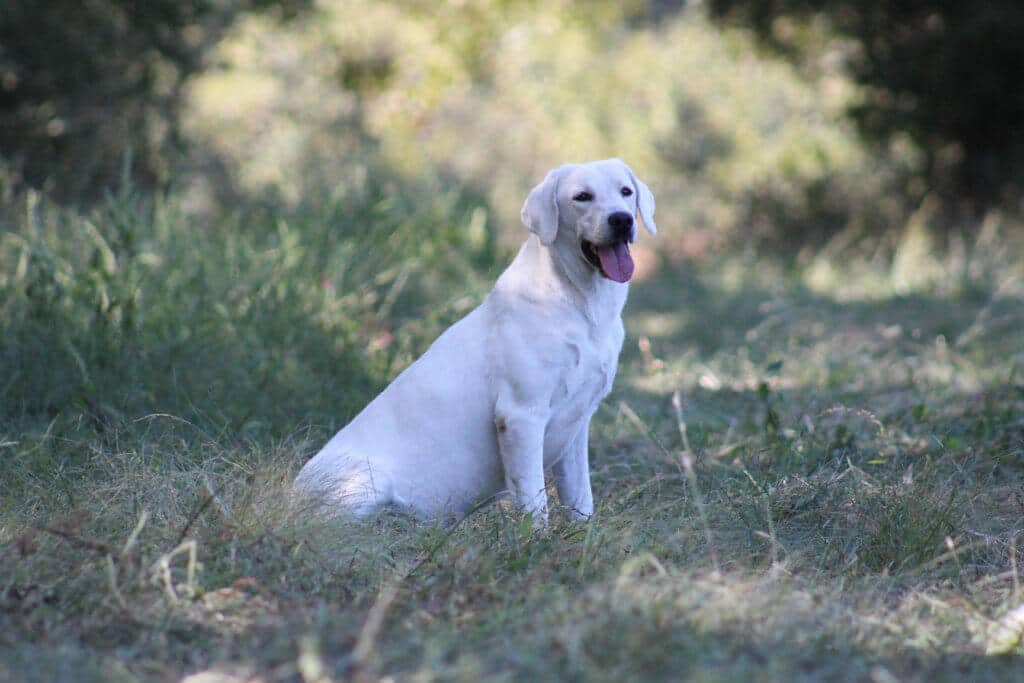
x=587 y=377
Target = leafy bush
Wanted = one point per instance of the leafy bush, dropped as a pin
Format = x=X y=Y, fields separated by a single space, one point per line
x=944 y=74
x=491 y=95
x=82 y=84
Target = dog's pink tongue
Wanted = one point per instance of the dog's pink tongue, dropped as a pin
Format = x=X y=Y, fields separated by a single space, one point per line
x=616 y=262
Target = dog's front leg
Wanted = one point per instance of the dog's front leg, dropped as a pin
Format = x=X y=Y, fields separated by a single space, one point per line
x=572 y=477
x=521 y=443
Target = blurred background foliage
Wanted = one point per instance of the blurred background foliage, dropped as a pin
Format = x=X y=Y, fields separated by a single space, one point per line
x=82 y=82
x=188 y=184
x=943 y=74
x=877 y=107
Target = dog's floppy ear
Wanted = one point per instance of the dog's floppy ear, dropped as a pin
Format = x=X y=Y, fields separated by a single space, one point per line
x=540 y=211
x=645 y=203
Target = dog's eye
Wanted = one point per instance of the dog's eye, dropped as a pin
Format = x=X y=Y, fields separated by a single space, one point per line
x=626 y=192
x=583 y=197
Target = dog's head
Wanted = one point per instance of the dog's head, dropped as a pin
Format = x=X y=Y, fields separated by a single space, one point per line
x=591 y=208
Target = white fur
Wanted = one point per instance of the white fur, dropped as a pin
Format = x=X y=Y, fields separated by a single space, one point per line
x=508 y=391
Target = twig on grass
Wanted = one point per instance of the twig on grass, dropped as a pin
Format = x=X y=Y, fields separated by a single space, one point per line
x=74 y=539
x=205 y=503
x=112 y=561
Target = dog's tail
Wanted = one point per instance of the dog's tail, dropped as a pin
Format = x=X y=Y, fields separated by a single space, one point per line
x=355 y=488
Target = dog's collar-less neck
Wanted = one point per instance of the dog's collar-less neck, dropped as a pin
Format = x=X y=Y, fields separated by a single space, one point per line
x=586 y=285
x=548 y=273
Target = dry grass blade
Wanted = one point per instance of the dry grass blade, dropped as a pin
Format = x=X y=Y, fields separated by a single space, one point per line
x=370 y=632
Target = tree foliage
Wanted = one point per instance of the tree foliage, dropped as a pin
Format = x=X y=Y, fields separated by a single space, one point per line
x=82 y=83
x=944 y=73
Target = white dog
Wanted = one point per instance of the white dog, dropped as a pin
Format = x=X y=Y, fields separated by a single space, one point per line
x=508 y=391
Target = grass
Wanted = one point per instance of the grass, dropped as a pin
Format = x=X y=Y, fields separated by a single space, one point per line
x=805 y=474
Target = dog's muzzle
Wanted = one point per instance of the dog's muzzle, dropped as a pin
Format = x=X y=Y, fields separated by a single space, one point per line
x=612 y=259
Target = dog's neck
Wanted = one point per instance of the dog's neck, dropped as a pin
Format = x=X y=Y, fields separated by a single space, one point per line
x=559 y=272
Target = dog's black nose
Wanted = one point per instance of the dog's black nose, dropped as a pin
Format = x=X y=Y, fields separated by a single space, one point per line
x=621 y=224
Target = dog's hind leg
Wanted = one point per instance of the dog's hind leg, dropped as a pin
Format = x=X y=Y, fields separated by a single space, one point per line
x=357 y=490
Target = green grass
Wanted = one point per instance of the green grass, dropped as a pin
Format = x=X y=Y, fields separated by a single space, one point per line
x=835 y=494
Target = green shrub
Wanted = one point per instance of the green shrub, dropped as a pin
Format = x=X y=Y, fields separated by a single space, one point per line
x=942 y=74
x=82 y=84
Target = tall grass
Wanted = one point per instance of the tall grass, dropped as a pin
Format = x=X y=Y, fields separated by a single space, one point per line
x=833 y=495
x=252 y=324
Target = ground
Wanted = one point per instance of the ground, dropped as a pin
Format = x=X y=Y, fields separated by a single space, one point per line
x=797 y=477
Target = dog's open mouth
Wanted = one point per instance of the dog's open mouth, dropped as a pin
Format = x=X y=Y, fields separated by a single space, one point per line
x=612 y=260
